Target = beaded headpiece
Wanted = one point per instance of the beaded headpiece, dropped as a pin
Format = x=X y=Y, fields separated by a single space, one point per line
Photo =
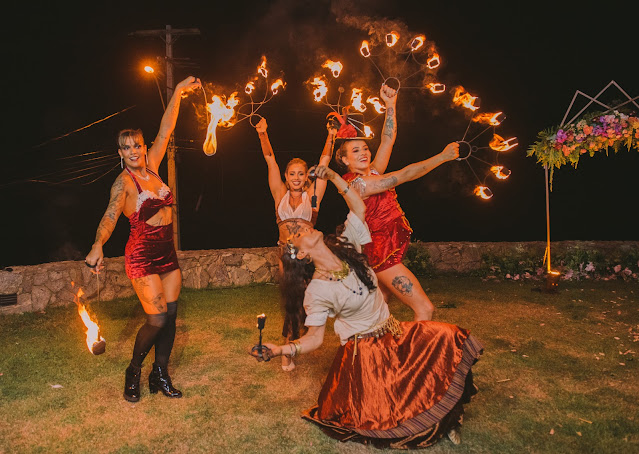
x=291 y=249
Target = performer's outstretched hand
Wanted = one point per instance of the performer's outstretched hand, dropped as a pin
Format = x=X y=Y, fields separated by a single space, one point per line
x=188 y=84
x=388 y=95
x=323 y=172
x=261 y=126
x=270 y=350
x=451 y=151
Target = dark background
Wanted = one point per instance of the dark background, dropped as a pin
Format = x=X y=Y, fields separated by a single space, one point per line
x=68 y=65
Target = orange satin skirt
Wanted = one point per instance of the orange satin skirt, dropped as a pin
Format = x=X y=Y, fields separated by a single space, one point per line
x=403 y=392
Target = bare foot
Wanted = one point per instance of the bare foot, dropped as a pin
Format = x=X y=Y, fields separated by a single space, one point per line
x=287 y=364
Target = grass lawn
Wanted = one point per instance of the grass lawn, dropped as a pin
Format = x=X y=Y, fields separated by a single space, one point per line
x=560 y=374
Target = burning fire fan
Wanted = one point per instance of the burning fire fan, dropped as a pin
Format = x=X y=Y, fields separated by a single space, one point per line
x=222 y=112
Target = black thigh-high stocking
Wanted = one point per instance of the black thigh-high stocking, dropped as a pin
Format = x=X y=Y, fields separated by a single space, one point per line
x=165 y=338
x=146 y=337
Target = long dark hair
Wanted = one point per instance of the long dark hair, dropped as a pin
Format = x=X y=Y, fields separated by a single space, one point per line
x=298 y=273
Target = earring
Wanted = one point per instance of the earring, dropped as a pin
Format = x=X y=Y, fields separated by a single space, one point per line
x=121 y=163
x=146 y=158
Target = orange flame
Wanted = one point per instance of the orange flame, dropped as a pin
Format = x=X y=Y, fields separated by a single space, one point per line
x=436 y=88
x=262 y=68
x=93 y=330
x=221 y=114
x=374 y=100
x=364 y=49
x=275 y=87
x=433 y=62
x=417 y=42
x=368 y=132
x=249 y=88
x=484 y=192
x=493 y=119
x=335 y=66
x=498 y=143
x=356 y=100
x=391 y=38
x=320 y=88
x=500 y=172
x=462 y=98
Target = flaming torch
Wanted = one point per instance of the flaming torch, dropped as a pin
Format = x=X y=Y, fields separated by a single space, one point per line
x=364 y=49
x=433 y=62
x=249 y=88
x=498 y=143
x=464 y=99
x=95 y=343
x=493 y=119
x=368 y=132
x=320 y=88
x=356 y=100
x=391 y=38
x=221 y=114
x=417 y=42
x=483 y=191
x=436 y=88
x=500 y=172
x=262 y=68
x=335 y=67
x=374 y=100
x=275 y=87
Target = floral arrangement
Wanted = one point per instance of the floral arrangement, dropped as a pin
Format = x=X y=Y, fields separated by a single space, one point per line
x=593 y=133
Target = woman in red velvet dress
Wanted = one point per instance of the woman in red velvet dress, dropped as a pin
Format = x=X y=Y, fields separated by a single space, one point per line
x=150 y=258
x=394 y=384
x=389 y=227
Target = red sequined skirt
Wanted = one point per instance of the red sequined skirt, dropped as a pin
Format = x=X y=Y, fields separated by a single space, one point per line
x=150 y=251
x=389 y=245
x=399 y=392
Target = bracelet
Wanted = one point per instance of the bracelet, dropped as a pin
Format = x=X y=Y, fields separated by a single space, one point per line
x=298 y=347
x=293 y=350
x=345 y=190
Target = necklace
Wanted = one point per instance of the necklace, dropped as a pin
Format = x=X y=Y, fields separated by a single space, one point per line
x=339 y=276
x=146 y=178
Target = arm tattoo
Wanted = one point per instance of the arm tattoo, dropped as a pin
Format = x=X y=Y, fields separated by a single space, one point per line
x=403 y=285
x=390 y=127
x=112 y=213
x=384 y=183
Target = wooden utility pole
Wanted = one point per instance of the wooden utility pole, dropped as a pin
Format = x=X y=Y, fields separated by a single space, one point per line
x=170 y=35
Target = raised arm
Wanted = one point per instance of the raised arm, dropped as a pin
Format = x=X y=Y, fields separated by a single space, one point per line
x=325 y=160
x=389 y=132
x=374 y=184
x=275 y=183
x=108 y=222
x=169 y=119
x=352 y=198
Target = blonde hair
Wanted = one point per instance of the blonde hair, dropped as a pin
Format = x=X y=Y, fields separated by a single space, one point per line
x=132 y=133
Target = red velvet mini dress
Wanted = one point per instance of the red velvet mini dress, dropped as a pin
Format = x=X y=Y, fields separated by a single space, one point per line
x=150 y=248
x=389 y=228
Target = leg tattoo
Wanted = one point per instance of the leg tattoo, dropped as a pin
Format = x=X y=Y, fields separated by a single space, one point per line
x=403 y=285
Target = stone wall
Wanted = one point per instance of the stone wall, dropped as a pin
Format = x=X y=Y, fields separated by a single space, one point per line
x=55 y=284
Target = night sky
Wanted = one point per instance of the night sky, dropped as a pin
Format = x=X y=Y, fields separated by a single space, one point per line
x=68 y=65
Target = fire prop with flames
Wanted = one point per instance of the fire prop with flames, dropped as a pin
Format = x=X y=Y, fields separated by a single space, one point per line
x=259 y=348
x=226 y=112
x=348 y=119
x=95 y=342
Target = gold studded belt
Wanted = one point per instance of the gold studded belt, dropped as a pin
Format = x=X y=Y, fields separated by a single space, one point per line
x=390 y=325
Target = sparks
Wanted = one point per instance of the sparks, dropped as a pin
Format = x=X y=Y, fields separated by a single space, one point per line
x=417 y=42
x=498 y=143
x=483 y=191
x=356 y=100
x=221 y=114
x=335 y=67
x=374 y=100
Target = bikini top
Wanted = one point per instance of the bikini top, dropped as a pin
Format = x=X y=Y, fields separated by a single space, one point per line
x=303 y=211
x=149 y=203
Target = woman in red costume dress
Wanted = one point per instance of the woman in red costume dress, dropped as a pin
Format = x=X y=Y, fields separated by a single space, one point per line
x=150 y=258
x=389 y=227
x=294 y=210
x=393 y=384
